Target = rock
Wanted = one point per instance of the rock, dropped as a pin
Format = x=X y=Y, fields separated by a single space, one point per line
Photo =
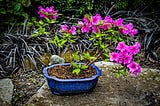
x=105 y=65
x=6 y=91
x=143 y=90
x=55 y=59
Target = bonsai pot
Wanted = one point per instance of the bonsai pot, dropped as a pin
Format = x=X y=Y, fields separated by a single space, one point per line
x=71 y=86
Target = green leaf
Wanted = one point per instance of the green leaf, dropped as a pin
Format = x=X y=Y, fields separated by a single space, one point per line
x=84 y=66
x=86 y=55
x=115 y=40
x=46 y=33
x=53 y=21
x=41 y=30
x=93 y=58
x=76 y=71
x=123 y=72
x=79 y=31
x=35 y=34
x=76 y=57
x=98 y=35
x=56 y=38
x=17 y=7
x=63 y=42
x=41 y=22
x=73 y=41
x=2 y=11
x=26 y=3
x=48 y=20
x=51 y=41
x=25 y=15
x=74 y=65
x=102 y=46
x=138 y=61
x=118 y=75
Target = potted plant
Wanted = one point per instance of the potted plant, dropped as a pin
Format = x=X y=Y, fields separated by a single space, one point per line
x=103 y=35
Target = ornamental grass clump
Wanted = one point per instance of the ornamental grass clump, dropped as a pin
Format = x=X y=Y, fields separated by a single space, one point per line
x=102 y=35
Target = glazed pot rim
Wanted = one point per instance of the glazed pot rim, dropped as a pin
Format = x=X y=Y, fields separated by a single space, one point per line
x=45 y=72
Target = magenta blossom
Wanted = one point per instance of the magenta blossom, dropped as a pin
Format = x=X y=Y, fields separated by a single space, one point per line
x=95 y=29
x=133 y=32
x=48 y=12
x=73 y=30
x=126 y=29
x=80 y=24
x=114 y=56
x=121 y=46
x=134 y=68
x=86 y=28
x=108 y=19
x=135 y=48
x=118 y=22
x=105 y=26
x=86 y=20
x=96 y=19
x=108 y=23
x=64 y=28
x=127 y=59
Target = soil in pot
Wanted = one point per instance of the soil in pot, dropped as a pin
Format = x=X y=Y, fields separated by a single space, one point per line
x=65 y=72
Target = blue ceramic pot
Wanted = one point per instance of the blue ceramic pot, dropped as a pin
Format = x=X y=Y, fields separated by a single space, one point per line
x=71 y=86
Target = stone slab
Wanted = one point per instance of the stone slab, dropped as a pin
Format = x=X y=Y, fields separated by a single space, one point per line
x=143 y=90
x=6 y=91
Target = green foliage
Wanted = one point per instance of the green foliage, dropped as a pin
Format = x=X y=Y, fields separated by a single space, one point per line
x=77 y=58
x=15 y=7
x=87 y=57
x=78 y=68
x=41 y=25
x=61 y=42
x=20 y=9
x=120 y=71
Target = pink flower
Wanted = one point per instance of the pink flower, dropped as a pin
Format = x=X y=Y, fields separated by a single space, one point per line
x=135 y=48
x=127 y=59
x=120 y=57
x=95 y=29
x=86 y=28
x=108 y=19
x=49 y=9
x=119 y=22
x=114 y=56
x=48 y=12
x=73 y=30
x=134 y=68
x=86 y=20
x=40 y=8
x=64 y=28
x=80 y=24
x=129 y=26
x=96 y=19
x=121 y=46
x=105 y=26
x=133 y=32
x=126 y=28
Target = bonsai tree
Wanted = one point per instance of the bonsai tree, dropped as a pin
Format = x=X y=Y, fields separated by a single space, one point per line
x=108 y=39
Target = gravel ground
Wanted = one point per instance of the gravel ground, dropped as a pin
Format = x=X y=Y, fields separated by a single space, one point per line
x=26 y=83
